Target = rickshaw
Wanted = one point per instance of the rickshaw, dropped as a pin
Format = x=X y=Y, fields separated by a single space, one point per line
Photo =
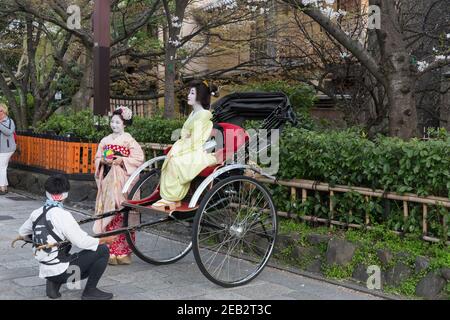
x=228 y=219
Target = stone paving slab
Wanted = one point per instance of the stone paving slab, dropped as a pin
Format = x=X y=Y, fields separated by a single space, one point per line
x=142 y=281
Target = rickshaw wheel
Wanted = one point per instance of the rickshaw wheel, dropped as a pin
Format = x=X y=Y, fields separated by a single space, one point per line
x=159 y=244
x=234 y=231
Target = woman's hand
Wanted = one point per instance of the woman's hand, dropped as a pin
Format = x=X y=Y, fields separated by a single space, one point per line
x=118 y=161
x=106 y=161
x=108 y=240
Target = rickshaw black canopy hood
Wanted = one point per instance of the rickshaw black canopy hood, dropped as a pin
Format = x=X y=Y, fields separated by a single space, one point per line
x=239 y=107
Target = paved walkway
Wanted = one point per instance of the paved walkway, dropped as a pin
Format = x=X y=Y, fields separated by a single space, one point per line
x=181 y=280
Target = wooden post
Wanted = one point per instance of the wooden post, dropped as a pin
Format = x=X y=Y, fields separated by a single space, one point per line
x=445 y=225
x=424 y=220
x=405 y=211
x=367 y=221
x=102 y=42
x=293 y=194
x=331 y=208
x=349 y=216
x=304 y=195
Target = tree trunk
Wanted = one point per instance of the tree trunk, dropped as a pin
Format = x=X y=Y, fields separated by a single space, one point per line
x=15 y=109
x=38 y=112
x=20 y=117
x=169 y=83
x=20 y=109
x=402 y=104
x=172 y=37
x=445 y=103
x=82 y=98
x=270 y=24
x=392 y=67
x=398 y=71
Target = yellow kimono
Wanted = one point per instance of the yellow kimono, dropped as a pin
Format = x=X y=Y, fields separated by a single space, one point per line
x=187 y=158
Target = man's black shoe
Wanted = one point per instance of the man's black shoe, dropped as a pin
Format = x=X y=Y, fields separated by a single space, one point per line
x=52 y=289
x=96 y=294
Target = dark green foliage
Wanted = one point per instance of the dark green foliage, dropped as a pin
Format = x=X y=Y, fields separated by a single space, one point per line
x=349 y=158
x=156 y=130
x=88 y=127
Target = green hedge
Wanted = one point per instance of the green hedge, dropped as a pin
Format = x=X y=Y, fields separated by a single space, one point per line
x=337 y=157
x=88 y=127
x=157 y=130
x=349 y=158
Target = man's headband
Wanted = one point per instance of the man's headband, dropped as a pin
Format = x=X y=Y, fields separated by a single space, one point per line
x=57 y=197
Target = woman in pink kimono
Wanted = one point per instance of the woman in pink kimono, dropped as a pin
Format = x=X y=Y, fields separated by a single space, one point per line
x=118 y=156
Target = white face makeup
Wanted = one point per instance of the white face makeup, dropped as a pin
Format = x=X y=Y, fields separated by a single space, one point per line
x=192 y=97
x=117 y=125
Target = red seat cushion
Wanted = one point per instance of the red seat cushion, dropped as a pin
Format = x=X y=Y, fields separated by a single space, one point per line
x=207 y=171
x=233 y=138
x=231 y=133
x=166 y=150
x=151 y=198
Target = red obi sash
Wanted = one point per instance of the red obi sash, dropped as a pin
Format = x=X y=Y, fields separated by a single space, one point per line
x=112 y=150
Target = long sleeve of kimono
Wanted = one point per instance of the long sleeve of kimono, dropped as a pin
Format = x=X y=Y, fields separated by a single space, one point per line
x=135 y=159
x=98 y=157
x=200 y=133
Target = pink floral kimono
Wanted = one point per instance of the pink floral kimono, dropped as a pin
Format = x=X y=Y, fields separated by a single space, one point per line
x=110 y=181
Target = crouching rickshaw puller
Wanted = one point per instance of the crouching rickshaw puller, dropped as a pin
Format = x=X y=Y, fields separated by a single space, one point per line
x=51 y=225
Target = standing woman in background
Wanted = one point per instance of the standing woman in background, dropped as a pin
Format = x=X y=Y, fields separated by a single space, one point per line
x=7 y=146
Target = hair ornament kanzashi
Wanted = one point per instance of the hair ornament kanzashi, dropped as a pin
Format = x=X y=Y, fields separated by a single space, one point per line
x=127 y=114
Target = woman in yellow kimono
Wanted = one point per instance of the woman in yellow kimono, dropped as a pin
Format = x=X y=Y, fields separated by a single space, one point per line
x=187 y=158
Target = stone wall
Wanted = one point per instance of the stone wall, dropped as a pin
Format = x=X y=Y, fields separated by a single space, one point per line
x=80 y=191
x=320 y=253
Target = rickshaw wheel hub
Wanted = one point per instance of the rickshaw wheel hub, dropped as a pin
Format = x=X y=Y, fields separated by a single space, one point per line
x=237 y=231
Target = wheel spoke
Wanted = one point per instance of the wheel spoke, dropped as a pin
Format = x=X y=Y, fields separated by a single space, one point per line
x=245 y=218
x=163 y=243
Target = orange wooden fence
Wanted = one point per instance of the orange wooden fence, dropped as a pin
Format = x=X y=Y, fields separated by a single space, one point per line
x=56 y=154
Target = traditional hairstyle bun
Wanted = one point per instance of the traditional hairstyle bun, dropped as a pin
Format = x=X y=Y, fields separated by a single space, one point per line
x=205 y=91
x=125 y=114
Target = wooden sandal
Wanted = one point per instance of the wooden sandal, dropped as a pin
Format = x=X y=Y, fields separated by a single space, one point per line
x=162 y=204
x=124 y=259
x=112 y=260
